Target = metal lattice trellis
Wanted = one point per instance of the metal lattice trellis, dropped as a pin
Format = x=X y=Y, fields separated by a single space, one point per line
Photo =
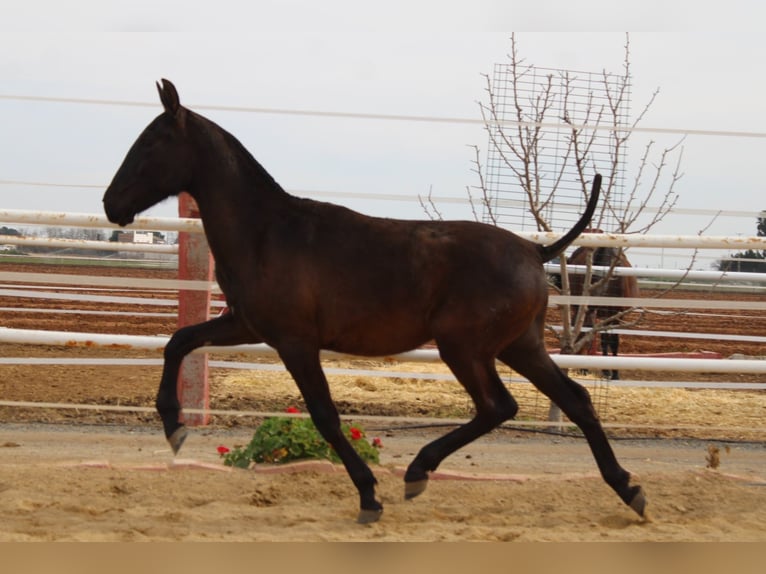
x=578 y=96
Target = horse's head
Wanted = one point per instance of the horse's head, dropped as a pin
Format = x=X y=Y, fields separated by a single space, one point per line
x=158 y=165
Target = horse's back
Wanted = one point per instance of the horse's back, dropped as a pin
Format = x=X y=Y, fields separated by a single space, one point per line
x=393 y=244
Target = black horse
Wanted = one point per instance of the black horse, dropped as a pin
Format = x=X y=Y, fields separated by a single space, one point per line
x=303 y=275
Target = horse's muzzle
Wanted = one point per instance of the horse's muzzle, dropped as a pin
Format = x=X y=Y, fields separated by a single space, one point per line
x=115 y=216
x=116 y=211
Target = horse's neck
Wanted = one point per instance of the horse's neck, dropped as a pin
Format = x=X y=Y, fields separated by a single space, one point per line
x=235 y=195
x=604 y=256
x=229 y=178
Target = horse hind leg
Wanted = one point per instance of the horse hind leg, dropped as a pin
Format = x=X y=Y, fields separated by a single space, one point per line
x=574 y=400
x=494 y=405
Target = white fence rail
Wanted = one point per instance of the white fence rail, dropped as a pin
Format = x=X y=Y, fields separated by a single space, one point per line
x=174 y=284
x=659 y=273
x=115 y=282
x=97 y=221
x=90 y=220
x=87 y=244
x=157 y=343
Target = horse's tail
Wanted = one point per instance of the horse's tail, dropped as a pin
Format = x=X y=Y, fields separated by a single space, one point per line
x=548 y=252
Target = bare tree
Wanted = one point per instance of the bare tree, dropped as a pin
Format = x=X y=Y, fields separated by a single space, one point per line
x=521 y=142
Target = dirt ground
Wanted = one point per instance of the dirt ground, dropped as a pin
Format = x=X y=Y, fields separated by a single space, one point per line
x=101 y=475
x=121 y=484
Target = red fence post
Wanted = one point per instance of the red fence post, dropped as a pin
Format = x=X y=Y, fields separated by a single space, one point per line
x=194 y=263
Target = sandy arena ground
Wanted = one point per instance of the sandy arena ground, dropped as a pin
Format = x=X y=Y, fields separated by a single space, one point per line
x=97 y=475
x=121 y=484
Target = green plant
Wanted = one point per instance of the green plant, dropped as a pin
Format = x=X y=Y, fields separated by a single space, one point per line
x=284 y=439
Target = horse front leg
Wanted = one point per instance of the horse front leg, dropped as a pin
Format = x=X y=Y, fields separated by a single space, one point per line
x=615 y=346
x=304 y=365
x=223 y=330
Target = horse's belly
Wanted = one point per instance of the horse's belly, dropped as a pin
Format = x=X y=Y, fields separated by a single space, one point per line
x=377 y=342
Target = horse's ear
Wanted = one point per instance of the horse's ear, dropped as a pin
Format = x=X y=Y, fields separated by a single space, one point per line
x=169 y=96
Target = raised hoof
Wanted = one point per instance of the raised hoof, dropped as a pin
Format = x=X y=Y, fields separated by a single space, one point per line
x=177 y=439
x=638 y=504
x=413 y=489
x=369 y=516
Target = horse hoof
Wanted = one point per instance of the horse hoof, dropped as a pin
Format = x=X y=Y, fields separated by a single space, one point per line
x=177 y=439
x=367 y=516
x=413 y=489
x=638 y=504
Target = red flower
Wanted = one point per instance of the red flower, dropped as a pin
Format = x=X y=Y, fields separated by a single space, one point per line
x=377 y=443
x=222 y=450
x=292 y=410
x=356 y=434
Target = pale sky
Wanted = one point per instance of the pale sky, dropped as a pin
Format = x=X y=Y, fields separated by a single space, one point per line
x=397 y=58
